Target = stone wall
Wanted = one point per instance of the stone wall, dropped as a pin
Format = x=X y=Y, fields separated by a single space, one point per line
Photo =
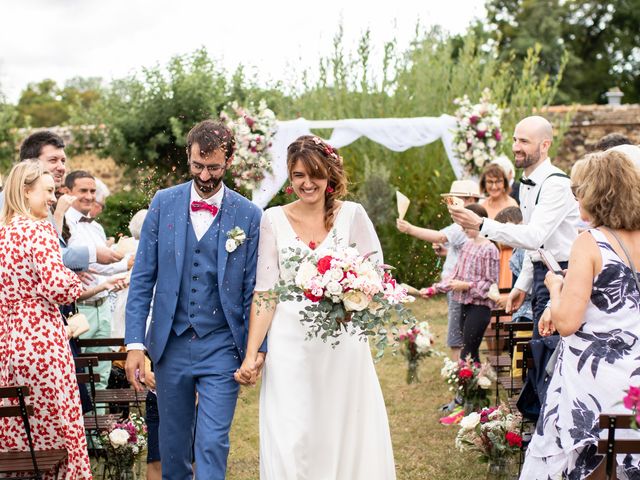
x=589 y=123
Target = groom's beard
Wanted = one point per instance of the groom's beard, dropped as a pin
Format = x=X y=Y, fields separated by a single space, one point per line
x=209 y=186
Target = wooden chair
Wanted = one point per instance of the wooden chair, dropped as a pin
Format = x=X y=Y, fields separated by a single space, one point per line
x=610 y=446
x=94 y=424
x=126 y=397
x=32 y=464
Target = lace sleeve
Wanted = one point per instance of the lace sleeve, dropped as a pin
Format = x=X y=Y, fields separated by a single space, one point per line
x=268 y=269
x=363 y=234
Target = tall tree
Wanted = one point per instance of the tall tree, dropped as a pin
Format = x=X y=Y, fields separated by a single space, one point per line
x=600 y=38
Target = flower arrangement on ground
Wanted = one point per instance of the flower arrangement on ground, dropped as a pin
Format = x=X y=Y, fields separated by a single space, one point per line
x=470 y=381
x=124 y=443
x=415 y=344
x=348 y=293
x=632 y=402
x=254 y=130
x=494 y=433
x=477 y=134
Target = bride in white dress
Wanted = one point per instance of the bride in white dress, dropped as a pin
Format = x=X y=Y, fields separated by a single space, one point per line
x=322 y=415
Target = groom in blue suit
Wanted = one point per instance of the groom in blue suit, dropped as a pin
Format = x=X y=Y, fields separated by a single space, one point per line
x=198 y=249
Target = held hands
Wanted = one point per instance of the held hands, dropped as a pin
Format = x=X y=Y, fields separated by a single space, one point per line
x=250 y=370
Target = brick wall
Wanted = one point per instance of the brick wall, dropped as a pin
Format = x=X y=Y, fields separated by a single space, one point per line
x=589 y=123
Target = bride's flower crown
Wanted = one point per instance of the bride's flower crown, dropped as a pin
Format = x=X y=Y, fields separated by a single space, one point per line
x=328 y=150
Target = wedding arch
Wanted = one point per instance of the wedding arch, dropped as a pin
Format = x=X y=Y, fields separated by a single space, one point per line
x=397 y=134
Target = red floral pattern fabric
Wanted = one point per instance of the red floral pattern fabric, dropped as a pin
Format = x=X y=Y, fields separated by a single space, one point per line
x=34 y=350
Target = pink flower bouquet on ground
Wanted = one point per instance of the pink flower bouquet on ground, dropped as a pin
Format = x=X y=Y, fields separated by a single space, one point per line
x=416 y=343
x=470 y=380
x=348 y=292
x=124 y=443
x=493 y=432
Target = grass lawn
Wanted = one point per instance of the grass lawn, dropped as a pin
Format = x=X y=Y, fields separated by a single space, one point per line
x=423 y=449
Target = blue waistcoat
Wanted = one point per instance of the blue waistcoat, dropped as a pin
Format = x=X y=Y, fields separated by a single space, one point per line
x=199 y=298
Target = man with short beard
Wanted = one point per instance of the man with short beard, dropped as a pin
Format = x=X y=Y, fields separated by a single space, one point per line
x=549 y=210
x=203 y=277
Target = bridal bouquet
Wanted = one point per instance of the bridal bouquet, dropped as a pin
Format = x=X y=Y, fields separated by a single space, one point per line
x=348 y=293
x=477 y=133
x=470 y=380
x=254 y=130
x=124 y=442
x=493 y=432
x=416 y=343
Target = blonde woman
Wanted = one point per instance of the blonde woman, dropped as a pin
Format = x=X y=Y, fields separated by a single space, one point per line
x=33 y=342
x=596 y=310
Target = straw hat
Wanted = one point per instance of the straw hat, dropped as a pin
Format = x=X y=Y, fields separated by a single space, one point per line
x=463 y=188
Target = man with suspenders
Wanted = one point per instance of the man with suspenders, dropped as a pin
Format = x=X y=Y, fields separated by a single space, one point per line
x=549 y=210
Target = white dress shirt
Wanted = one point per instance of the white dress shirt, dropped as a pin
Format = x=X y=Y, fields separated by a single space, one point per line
x=92 y=234
x=202 y=219
x=552 y=224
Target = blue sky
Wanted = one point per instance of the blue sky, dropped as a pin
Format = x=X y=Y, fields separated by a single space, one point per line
x=61 y=39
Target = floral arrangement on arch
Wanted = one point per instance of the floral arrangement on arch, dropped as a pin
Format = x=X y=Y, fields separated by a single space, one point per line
x=124 y=442
x=416 y=343
x=348 y=293
x=254 y=129
x=477 y=134
x=470 y=380
x=493 y=432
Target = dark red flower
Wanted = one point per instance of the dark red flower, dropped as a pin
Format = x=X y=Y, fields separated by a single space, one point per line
x=481 y=133
x=473 y=119
x=311 y=296
x=497 y=135
x=514 y=439
x=465 y=373
x=250 y=121
x=324 y=264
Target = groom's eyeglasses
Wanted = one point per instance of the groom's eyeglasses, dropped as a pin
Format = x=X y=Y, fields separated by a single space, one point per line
x=212 y=169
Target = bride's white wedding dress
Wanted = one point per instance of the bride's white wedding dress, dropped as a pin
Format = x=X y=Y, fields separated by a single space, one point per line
x=322 y=415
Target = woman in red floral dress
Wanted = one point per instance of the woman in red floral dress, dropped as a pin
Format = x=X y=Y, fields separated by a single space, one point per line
x=34 y=349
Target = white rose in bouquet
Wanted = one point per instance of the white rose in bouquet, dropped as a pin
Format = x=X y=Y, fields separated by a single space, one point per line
x=355 y=301
x=118 y=437
x=470 y=421
x=423 y=343
x=333 y=289
x=306 y=272
x=484 y=382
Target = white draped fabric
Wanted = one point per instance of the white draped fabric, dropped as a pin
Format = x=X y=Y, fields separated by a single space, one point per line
x=397 y=134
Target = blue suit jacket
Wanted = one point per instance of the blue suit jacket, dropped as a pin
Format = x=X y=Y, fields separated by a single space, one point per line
x=159 y=262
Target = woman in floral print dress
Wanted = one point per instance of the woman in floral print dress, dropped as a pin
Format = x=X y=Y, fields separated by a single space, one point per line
x=596 y=309
x=34 y=350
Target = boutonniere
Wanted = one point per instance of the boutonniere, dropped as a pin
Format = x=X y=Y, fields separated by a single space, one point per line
x=235 y=238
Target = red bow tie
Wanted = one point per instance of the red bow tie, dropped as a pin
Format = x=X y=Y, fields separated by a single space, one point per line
x=196 y=206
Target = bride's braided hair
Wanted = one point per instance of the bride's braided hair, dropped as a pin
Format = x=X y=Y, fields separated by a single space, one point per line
x=322 y=161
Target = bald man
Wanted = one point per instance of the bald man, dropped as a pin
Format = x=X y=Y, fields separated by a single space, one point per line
x=549 y=210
